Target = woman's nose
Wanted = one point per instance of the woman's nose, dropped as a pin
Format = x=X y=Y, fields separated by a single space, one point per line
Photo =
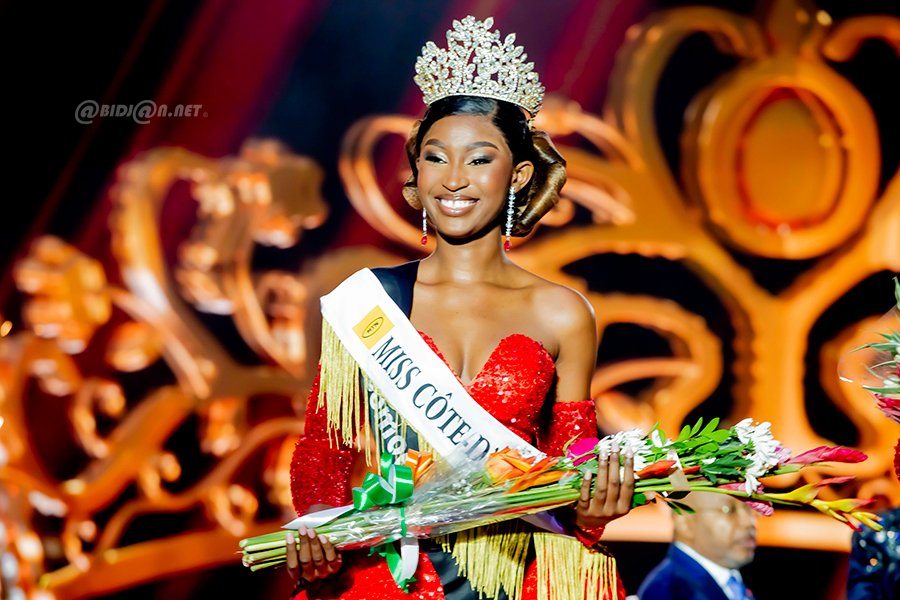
x=455 y=179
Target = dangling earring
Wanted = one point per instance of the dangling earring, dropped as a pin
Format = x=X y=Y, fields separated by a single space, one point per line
x=510 y=212
x=424 y=240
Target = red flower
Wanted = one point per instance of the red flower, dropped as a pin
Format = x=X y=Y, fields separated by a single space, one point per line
x=828 y=454
x=889 y=406
x=660 y=468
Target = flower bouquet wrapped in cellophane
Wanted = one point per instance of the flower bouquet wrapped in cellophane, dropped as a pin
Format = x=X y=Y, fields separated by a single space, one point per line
x=422 y=498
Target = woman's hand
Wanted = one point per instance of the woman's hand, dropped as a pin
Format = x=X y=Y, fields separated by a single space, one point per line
x=315 y=558
x=611 y=498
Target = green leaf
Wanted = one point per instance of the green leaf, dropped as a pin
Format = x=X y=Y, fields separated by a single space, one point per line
x=680 y=507
x=711 y=426
x=708 y=448
x=571 y=441
x=897 y=291
x=691 y=443
x=588 y=465
x=696 y=428
x=639 y=499
x=685 y=433
x=885 y=390
x=677 y=495
x=719 y=436
x=882 y=346
x=662 y=434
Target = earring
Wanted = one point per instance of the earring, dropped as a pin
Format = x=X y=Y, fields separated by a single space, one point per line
x=424 y=240
x=510 y=212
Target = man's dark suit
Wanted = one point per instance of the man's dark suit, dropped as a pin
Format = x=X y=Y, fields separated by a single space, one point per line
x=680 y=577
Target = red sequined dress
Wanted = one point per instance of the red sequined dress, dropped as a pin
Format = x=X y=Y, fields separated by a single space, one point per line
x=512 y=386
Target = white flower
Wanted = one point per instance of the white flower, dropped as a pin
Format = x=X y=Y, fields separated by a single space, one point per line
x=751 y=483
x=764 y=452
x=672 y=455
x=656 y=439
x=633 y=439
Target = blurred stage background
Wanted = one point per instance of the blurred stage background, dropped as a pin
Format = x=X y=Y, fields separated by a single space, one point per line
x=732 y=212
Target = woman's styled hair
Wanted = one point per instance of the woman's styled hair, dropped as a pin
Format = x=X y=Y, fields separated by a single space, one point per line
x=542 y=191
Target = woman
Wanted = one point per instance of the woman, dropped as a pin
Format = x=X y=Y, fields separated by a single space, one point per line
x=522 y=347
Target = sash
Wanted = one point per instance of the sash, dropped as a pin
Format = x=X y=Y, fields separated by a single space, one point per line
x=374 y=361
x=416 y=383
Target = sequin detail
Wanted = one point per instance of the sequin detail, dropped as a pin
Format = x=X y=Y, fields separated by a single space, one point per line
x=570 y=420
x=313 y=456
x=369 y=578
x=513 y=383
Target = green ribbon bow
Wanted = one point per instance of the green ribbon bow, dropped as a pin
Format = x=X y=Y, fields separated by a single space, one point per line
x=378 y=490
x=393 y=486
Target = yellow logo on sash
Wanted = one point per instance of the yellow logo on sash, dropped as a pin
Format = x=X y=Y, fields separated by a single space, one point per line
x=372 y=327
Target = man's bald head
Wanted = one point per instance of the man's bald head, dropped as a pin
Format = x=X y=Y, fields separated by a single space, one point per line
x=723 y=529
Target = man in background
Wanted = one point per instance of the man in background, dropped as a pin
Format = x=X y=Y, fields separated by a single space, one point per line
x=708 y=548
x=875 y=561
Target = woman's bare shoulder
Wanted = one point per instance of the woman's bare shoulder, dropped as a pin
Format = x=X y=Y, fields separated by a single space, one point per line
x=560 y=306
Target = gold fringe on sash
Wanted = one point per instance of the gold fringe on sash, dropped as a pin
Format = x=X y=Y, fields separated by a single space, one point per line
x=492 y=556
x=569 y=571
x=342 y=386
x=339 y=391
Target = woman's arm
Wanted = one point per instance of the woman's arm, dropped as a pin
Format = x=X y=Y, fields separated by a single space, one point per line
x=320 y=478
x=320 y=472
x=574 y=414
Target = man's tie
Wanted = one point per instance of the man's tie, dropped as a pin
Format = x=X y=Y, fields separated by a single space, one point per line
x=737 y=590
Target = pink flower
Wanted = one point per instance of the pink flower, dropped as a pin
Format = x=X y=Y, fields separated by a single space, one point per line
x=783 y=455
x=828 y=454
x=764 y=508
x=889 y=406
x=582 y=450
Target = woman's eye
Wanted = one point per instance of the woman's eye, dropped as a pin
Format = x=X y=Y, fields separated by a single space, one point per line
x=433 y=158
x=481 y=160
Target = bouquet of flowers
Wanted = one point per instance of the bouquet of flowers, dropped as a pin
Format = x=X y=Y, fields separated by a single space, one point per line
x=421 y=498
x=876 y=367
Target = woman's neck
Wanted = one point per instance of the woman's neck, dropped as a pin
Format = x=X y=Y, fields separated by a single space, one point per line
x=475 y=261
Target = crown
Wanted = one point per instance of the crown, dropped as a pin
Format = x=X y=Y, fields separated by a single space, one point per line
x=477 y=63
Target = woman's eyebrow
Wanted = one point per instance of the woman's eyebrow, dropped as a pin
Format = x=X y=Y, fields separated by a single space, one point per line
x=472 y=146
x=483 y=144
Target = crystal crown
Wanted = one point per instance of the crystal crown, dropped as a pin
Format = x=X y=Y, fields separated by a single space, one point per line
x=477 y=63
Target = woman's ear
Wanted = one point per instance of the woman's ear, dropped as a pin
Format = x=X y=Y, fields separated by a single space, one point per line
x=522 y=174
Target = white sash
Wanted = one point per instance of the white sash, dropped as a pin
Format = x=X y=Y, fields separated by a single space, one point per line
x=410 y=376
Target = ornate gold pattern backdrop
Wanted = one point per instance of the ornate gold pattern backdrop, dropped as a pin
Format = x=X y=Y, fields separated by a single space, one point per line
x=779 y=161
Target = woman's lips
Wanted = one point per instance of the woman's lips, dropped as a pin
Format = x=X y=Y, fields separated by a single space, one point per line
x=456 y=206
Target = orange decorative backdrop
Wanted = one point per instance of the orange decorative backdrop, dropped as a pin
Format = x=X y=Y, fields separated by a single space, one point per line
x=156 y=412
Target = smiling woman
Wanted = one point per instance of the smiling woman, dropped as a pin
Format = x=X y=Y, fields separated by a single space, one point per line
x=498 y=142
x=502 y=348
